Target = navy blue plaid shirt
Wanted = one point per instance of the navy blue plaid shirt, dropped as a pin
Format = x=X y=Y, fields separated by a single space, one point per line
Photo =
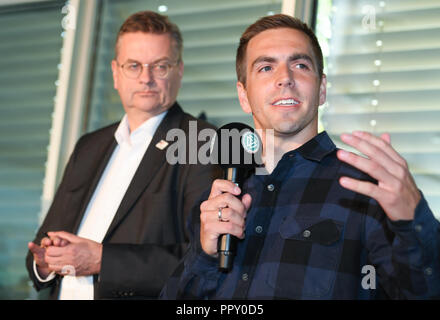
x=309 y=238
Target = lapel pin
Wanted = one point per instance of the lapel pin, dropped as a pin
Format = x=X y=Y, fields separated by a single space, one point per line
x=162 y=144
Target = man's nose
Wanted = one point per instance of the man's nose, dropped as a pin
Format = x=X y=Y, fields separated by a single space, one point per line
x=146 y=75
x=285 y=78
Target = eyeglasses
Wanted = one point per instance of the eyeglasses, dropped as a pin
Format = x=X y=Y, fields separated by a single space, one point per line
x=160 y=70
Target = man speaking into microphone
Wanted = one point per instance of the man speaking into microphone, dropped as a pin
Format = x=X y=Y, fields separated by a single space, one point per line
x=322 y=223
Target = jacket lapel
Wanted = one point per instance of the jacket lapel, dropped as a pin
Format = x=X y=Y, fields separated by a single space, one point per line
x=153 y=159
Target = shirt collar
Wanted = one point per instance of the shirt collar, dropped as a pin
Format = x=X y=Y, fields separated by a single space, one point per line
x=145 y=130
x=316 y=148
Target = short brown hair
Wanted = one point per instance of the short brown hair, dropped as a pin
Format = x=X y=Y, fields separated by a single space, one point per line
x=151 y=22
x=274 y=22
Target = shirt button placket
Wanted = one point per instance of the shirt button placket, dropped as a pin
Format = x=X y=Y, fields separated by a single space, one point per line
x=261 y=228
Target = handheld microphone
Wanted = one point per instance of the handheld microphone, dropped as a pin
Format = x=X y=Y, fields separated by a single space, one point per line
x=237 y=149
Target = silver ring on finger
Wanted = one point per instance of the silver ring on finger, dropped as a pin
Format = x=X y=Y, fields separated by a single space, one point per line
x=219 y=215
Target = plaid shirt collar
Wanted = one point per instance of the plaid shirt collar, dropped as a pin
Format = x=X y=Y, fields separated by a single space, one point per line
x=316 y=149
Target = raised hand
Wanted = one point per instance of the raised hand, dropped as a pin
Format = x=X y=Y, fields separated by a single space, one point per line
x=396 y=190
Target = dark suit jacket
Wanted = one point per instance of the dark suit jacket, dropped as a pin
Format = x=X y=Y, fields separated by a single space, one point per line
x=147 y=236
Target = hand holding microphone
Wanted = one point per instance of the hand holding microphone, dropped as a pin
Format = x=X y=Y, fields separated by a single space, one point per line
x=233 y=213
x=237 y=149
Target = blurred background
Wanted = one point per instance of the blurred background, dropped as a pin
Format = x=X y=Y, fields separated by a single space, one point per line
x=382 y=62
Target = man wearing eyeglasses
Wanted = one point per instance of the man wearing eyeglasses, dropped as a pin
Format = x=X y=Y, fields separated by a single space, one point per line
x=116 y=227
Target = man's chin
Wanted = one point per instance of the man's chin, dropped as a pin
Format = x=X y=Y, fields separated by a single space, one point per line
x=150 y=108
x=287 y=127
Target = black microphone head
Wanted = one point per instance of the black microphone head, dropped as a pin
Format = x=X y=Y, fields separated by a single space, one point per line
x=237 y=145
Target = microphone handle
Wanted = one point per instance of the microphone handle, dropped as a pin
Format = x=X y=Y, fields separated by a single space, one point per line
x=227 y=244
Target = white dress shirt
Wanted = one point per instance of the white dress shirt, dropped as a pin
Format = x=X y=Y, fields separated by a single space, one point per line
x=108 y=195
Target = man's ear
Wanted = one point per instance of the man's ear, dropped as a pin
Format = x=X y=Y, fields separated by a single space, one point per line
x=243 y=98
x=115 y=74
x=180 y=67
x=323 y=89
